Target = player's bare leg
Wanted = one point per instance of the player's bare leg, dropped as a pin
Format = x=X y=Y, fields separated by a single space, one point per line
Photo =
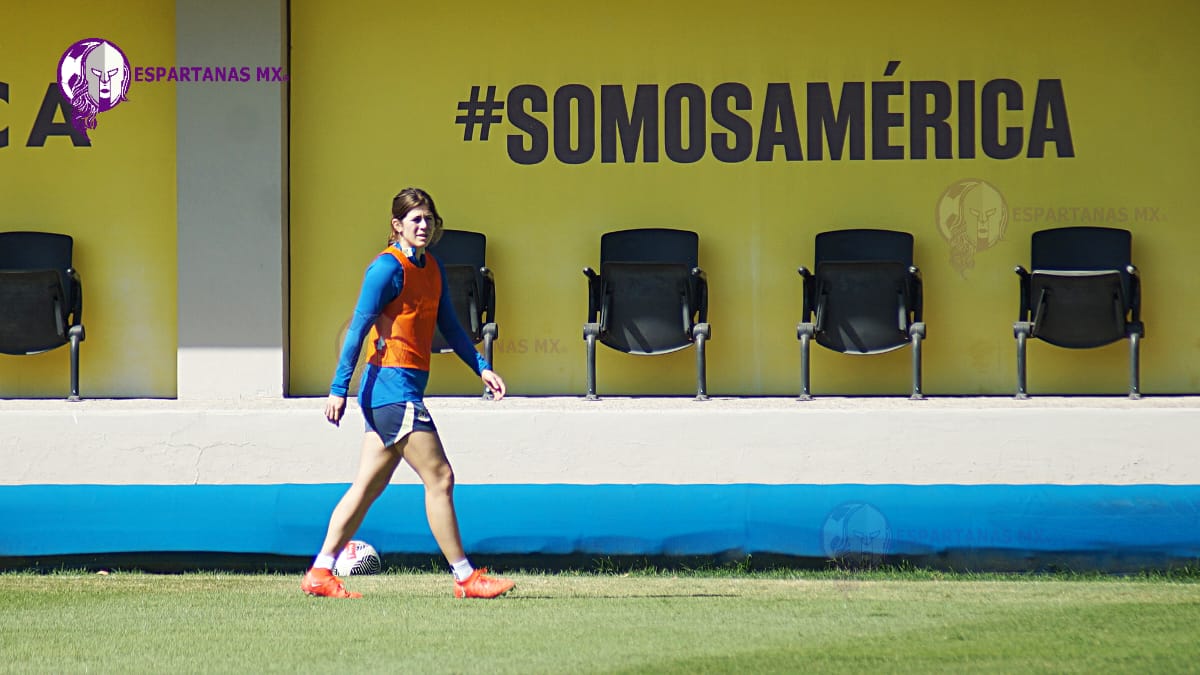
x=424 y=453
x=376 y=465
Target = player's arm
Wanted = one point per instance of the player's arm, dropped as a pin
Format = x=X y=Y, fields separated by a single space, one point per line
x=381 y=284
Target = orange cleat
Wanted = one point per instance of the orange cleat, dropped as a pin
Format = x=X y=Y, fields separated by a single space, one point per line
x=322 y=583
x=479 y=586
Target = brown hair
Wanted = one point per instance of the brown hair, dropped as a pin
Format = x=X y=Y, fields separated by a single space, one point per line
x=407 y=200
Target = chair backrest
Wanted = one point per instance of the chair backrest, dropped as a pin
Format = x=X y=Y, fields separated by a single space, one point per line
x=29 y=261
x=649 y=297
x=39 y=251
x=462 y=255
x=33 y=316
x=35 y=251
x=1084 y=249
x=460 y=247
x=646 y=307
x=651 y=245
x=863 y=291
x=864 y=245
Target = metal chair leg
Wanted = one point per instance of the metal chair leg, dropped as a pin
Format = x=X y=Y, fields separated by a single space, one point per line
x=1021 y=331
x=917 y=332
x=76 y=336
x=804 y=333
x=590 y=332
x=1135 y=373
x=701 y=332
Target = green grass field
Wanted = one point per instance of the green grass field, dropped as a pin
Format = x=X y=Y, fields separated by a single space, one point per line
x=580 y=623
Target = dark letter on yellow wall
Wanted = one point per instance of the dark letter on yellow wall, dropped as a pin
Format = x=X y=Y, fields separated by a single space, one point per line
x=989 y=119
x=45 y=126
x=743 y=133
x=1050 y=123
x=779 y=125
x=536 y=130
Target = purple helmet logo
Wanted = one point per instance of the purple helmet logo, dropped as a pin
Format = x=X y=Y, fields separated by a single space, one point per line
x=94 y=76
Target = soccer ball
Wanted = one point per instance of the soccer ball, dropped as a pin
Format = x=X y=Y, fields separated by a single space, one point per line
x=358 y=557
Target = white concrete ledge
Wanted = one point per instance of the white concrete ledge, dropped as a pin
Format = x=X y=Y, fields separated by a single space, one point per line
x=543 y=440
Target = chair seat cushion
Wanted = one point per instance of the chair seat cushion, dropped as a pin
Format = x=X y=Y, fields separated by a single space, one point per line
x=862 y=307
x=1077 y=309
x=34 y=317
x=646 y=307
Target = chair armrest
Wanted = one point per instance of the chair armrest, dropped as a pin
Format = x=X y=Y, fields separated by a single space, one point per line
x=489 y=295
x=593 y=293
x=700 y=282
x=807 y=302
x=76 y=308
x=917 y=292
x=1135 y=293
x=1023 y=309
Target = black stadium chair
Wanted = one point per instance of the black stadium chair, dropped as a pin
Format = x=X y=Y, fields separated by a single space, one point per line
x=650 y=297
x=1082 y=292
x=863 y=296
x=41 y=298
x=472 y=288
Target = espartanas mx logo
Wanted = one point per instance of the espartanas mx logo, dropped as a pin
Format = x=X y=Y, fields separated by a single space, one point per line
x=94 y=76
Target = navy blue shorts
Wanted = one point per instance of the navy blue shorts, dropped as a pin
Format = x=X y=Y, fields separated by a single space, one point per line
x=395 y=421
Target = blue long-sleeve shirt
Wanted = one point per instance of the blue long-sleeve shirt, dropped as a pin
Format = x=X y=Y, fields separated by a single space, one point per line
x=383 y=385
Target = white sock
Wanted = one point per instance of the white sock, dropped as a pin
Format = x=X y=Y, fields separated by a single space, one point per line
x=324 y=562
x=462 y=569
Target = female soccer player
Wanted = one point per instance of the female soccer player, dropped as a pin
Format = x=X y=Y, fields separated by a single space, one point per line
x=403 y=296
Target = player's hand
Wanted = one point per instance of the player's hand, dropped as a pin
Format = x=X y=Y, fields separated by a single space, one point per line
x=335 y=407
x=495 y=384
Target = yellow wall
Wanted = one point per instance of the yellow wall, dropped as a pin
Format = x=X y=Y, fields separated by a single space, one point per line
x=116 y=198
x=375 y=93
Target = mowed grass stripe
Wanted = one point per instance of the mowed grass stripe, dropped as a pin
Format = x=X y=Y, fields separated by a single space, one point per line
x=595 y=623
x=1006 y=627
x=1084 y=639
